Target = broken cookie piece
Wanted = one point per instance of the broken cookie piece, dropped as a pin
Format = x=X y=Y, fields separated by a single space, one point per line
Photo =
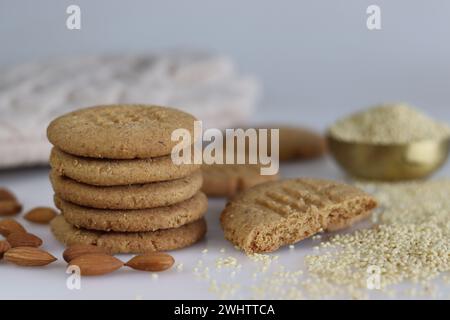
x=278 y=213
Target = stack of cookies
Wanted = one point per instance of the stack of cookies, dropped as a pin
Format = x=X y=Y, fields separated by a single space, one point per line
x=115 y=182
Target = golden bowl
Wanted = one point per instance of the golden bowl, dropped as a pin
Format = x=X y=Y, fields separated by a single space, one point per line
x=390 y=162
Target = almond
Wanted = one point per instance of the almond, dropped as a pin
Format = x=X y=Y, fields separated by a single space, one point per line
x=157 y=261
x=29 y=257
x=20 y=239
x=96 y=264
x=8 y=203
x=5 y=194
x=9 y=207
x=4 y=246
x=79 y=250
x=42 y=215
x=8 y=226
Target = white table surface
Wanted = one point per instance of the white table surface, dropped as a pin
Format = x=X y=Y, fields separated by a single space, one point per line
x=33 y=189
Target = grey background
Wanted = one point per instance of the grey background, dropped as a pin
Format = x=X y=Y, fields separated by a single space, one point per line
x=316 y=59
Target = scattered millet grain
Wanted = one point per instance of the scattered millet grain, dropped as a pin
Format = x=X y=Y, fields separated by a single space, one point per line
x=388 y=124
x=224 y=290
x=411 y=243
x=226 y=262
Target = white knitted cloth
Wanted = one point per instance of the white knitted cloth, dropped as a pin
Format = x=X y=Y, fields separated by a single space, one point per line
x=31 y=95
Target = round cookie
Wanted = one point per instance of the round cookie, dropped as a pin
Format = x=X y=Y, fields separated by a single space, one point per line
x=119 y=131
x=107 y=172
x=131 y=242
x=138 y=196
x=226 y=180
x=273 y=214
x=299 y=143
x=294 y=142
x=142 y=220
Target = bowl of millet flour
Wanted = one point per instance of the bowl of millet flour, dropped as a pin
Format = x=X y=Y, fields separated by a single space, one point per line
x=389 y=142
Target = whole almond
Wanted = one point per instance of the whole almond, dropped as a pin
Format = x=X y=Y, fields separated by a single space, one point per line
x=9 y=207
x=8 y=226
x=5 y=194
x=157 y=261
x=29 y=257
x=20 y=239
x=4 y=246
x=96 y=264
x=77 y=250
x=42 y=215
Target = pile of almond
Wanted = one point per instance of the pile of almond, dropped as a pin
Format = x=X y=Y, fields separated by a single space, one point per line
x=22 y=248
x=93 y=261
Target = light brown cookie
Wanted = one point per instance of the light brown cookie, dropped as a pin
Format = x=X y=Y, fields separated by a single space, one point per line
x=273 y=214
x=119 y=131
x=138 y=196
x=227 y=180
x=130 y=242
x=141 y=220
x=337 y=225
x=299 y=143
x=108 y=172
x=294 y=142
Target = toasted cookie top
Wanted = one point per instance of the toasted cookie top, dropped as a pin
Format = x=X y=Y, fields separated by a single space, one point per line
x=270 y=215
x=119 y=131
